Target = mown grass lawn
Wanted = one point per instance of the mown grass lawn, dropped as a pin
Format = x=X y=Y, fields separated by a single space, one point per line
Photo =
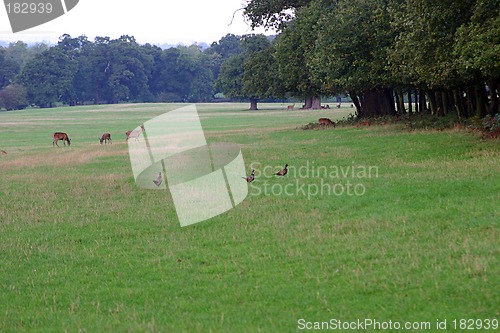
x=82 y=248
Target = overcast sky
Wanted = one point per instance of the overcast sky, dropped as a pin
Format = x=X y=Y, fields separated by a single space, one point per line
x=149 y=21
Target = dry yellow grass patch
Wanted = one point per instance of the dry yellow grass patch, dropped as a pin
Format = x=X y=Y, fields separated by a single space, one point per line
x=59 y=157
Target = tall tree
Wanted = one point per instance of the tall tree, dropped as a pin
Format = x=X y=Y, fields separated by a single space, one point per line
x=129 y=69
x=8 y=68
x=295 y=41
x=226 y=47
x=78 y=50
x=351 y=53
x=239 y=74
x=48 y=77
x=13 y=97
x=260 y=76
x=294 y=48
x=272 y=13
x=167 y=84
x=478 y=49
x=230 y=80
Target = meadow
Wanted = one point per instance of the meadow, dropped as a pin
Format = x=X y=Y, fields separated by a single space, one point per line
x=412 y=241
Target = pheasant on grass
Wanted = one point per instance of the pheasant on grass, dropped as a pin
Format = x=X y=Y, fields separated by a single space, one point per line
x=283 y=172
x=158 y=180
x=250 y=178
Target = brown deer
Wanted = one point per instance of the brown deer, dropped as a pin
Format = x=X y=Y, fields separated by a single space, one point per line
x=3 y=152
x=105 y=137
x=135 y=134
x=363 y=123
x=326 y=122
x=60 y=136
x=290 y=107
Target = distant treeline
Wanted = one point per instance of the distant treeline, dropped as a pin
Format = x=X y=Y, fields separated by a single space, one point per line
x=78 y=71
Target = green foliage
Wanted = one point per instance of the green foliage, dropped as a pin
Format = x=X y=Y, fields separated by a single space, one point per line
x=478 y=41
x=106 y=70
x=426 y=36
x=372 y=48
x=250 y=74
x=444 y=51
x=293 y=47
x=259 y=77
x=230 y=80
x=352 y=45
x=13 y=97
x=20 y=53
x=48 y=77
x=226 y=47
x=272 y=13
x=8 y=68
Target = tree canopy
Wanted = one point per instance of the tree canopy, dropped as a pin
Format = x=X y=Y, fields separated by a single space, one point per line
x=444 y=53
x=441 y=54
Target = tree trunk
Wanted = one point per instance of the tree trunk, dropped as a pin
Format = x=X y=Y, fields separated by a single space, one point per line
x=400 y=102
x=439 y=105
x=370 y=107
x=494 y=105
x=444 y=103
x=471 y=101
x=432 y=101
x=387 y=104
x=253 y=104
x=377 y=102
x=421 y=101
x=410 y=103
x=308 y=103
x=316 y=103
x=459 y=104
x=480 y=100
x=355 y=101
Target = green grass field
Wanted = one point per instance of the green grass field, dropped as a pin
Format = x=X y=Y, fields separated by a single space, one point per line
x=83 y=249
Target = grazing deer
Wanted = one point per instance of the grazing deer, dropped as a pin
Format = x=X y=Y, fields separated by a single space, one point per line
x=250 y=178
x=105 y=137
x=283 y=172
x=363 y=123
x=60 y=136
x=326 y=122
x=290 y=107
x=3 y=152
x=135 y=134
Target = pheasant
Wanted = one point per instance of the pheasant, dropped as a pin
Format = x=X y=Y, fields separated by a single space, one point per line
x=158 y=180
x=283 y=172
x=250 y=178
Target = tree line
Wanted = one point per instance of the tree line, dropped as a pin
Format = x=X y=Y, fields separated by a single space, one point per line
x=441 y=55
x=77 y=71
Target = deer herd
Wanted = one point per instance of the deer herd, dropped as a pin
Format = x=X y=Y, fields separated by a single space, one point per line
x=104 y=138
x=135 y=134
